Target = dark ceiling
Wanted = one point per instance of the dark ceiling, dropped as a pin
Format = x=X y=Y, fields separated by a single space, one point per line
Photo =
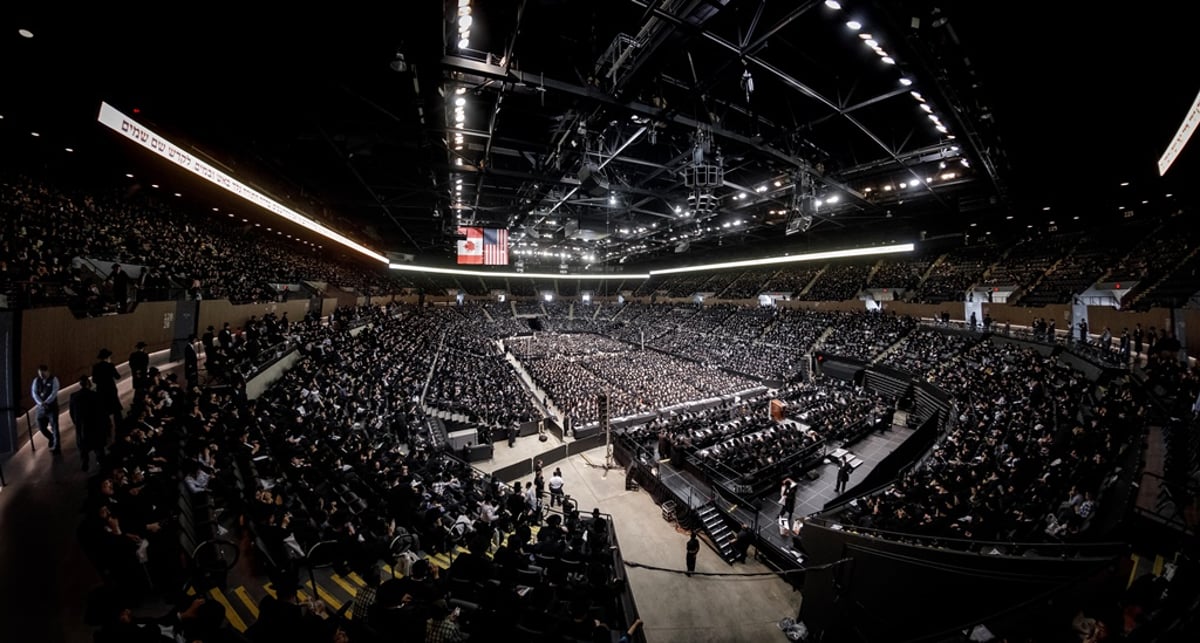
x=350 y=115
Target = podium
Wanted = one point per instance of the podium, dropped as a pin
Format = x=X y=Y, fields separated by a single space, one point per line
x=778 y=410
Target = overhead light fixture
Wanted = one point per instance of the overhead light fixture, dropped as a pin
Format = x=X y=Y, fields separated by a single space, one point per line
x=872 y=43
x=779 y=184
x=130 y=176
x=832 y=199
x=917 y=95
x=949 y=175
x=927 y=108
x=865 y=36
x=942 y=129
x=905 y=81
x=887 y=188
x=854 y=25
x=464 y=43
x=833 y=4
x=760 y=189
x=25 y=33
x=889 y=60
x=810 y=256
x=460 y=101
x=464 y=22
x=35 y=134
x=156 y=143
x=460 y=91
x=1124 y=184
x=178 y=194
x=903 y=184
x=1009 y=217
x=68 y=149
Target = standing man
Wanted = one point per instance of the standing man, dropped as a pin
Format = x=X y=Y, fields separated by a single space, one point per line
x=191 y=362
x=555 y=483
x=693 y=548
x=105 y=377
x=787 y=498
x=139 y=364
x=120 y=286
x=87 y=414
x=843 y=476
x=45 y=395
x=209 y=340
x=741 y=544
x=225 y=337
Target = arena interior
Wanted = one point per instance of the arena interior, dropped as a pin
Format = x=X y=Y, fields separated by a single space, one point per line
x=635 y=320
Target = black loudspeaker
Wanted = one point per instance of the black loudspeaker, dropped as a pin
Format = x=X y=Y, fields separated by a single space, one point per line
x=591 y=181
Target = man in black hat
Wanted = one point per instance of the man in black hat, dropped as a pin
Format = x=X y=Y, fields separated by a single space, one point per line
x=209 y=339
x=105 y=377
x=139 y=364
x=91 y=427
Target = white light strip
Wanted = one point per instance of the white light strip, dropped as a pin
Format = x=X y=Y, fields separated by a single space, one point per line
x=531 y=275
x=143 y=136
x=811 y=256
x=1186 y=128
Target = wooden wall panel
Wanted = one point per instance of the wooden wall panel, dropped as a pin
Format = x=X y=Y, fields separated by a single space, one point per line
x=53 y=336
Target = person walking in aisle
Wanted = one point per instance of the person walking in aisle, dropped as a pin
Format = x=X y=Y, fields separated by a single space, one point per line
x=693 y=548
x=105 y=377
x=45 y=396
x=91 y=424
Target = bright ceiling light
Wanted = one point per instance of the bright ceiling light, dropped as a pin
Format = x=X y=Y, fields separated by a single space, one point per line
x=854 y=25
x=833 y=4
x=949 y=175
x=810 y=256
x=917 y=95
x=35 y=134
x=460 y=91
x=927 y=108
x=779 y=184
x=1009 y=217
x=889 y=60
x=68 y=149
x=154 y=185
x=942 y=129
x=464 y=3
x=464 y=22
x=832 y=199
x=1124 y=184
x=460 y=101
x=903 y=184
x=872 y=43
x=130 y=176
x=906 y=81
x=1046 y=209
x=934 y=118
x=761 y=188
x=25 y=33
x=159 y=145
x=865 y=36
x=464 y=43
x=460 y=117
x=887 y=188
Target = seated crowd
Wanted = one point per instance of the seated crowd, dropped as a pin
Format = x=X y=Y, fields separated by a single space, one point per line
x=335 y=452
x=1029 y=456
x=924 y=348
x=45 y=233
x=865 y=335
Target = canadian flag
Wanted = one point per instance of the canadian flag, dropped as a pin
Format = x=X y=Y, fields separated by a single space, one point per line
x=470 y=250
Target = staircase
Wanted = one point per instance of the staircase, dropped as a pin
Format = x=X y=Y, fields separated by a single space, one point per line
x=891 y=349
x=487 y=314
x=929 y=270
x=874 y=269
x=512 y=305
x=720 y=533
x=807 y=287
x=571 y=311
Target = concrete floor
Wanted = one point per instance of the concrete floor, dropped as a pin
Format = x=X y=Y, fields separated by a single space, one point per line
x=673 y=606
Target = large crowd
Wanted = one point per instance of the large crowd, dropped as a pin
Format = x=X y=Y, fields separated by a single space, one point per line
x=337 y=452
x=1029 y=455
x=59 y=247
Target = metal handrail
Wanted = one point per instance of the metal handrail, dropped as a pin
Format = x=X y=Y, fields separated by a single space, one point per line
x=215 y=542
x=940 y=542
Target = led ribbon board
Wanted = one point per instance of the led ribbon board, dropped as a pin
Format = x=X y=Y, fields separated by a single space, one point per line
x=148 y=139
x=1181 y=137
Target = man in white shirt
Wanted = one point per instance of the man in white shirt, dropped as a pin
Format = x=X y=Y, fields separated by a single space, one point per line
x=555 y=484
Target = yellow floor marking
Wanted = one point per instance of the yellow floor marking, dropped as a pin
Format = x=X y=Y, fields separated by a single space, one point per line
x=302 y=596
x=439 y=563
x=1133 y=571
x=357 y=579
x=244 y=596
x=390 y=572
x=330 y=600
x=1158 y=565
x=235 y=619
x=191 y=591
x=346 y=587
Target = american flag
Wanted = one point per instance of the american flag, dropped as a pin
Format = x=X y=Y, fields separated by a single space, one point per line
x=495 y=247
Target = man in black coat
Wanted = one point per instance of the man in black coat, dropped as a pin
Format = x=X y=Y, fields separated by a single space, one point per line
x=91 y=423
x=105 y=377
x=139 y=364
